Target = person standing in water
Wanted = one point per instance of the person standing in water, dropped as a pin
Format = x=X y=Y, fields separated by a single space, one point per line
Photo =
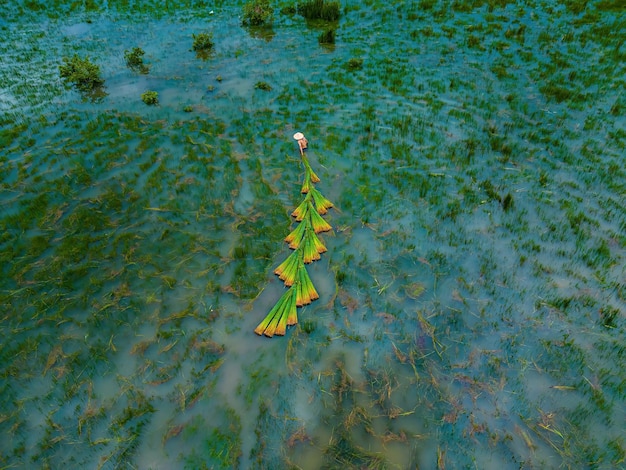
x=302 y=142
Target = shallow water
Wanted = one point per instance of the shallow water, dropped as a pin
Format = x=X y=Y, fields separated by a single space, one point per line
x=472 y=302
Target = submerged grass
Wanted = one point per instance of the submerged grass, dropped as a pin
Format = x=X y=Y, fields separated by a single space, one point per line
x=475 y=163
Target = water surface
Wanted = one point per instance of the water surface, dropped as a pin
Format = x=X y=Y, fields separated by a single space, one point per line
x=472 y=301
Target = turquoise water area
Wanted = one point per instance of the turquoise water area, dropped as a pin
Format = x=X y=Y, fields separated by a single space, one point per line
x=472 y=298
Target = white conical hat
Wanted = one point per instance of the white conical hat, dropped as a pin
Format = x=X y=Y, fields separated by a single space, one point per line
x=298 y=135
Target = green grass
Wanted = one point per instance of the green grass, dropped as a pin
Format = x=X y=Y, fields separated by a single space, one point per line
x=326 y=10
x=257 y=13
x=150 y=97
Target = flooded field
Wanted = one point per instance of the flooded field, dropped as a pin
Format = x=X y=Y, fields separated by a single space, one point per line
x=472 y=309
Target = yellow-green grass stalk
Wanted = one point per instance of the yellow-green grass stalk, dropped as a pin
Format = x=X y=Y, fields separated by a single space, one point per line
x=295 y=237
x=321 y=203
x=317 y=243
x=309 y=171
x=317 y=222
x=306 y=290
x=278 y=317
x=299 y=293
x=300 y=212
x=292 y=314
x=309 y=251
x=306 y=184
x=287 y=270
x=312 y=241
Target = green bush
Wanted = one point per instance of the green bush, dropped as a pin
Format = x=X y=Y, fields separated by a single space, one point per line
x=134 y=57
x=355 y=63
x=257 y=13
x=150 y=97
x=263 y=86
x=320 y=10
x=203 y=42
x=84 y=74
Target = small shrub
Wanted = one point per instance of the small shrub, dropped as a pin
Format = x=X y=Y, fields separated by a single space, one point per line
x=320 y=10
x=257 y=13
x=150 y=97
x=84 y=74
x=203 y=42
x=355 y=63
x=262 y=86
x=134 y=59
x=327 y=37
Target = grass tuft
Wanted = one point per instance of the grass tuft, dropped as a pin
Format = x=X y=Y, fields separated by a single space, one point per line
x=320 y=10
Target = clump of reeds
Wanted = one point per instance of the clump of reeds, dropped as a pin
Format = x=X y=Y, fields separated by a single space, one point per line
x=257 y=13
x=203 y=45
x=320 y=10
x=202 y=42
x=307 y=247
x=355 y=63
x=151 y=98
x=82 y=73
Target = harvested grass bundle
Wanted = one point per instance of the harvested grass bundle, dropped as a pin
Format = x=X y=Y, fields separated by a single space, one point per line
x=307 y=247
